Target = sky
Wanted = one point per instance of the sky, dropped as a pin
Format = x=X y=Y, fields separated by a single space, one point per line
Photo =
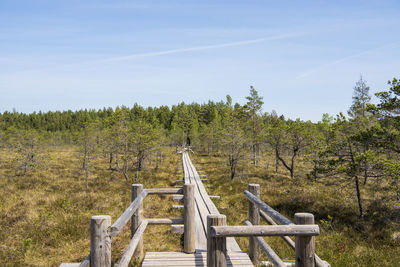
x=303 y=57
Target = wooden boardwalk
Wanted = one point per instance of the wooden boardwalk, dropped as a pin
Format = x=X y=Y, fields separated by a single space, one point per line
x=154 y=259
x=204 y=207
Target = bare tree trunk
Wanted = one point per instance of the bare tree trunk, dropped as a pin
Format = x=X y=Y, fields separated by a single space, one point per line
x=365 y=166
x=315 y=171
x=125 y=166
x=289 y=168
x=358 y=196
x=87 y=178
x=254 y=154
x=111 y=160
x=276 y=159
x=117 y=161
x=157 y=158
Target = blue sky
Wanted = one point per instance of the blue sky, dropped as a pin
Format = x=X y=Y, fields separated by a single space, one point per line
x=303 y=57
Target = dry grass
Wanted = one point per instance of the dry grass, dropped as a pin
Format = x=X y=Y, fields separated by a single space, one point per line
x=44 y=217
x=345 y=239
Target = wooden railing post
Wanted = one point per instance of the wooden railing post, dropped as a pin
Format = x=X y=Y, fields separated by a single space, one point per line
x=304 y=245
x=216 y=246
x=137 y=219
x=254 y=218
x=189 y=223
x=100 y=241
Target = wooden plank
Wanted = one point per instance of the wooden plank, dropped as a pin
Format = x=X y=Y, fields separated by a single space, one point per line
x=177 y=229
x=165 y=221
x=267 y=209
x=160 y=191
x=177 y=197
x=268 y=250
x=204 y=206
x=153 y=259
x=265 y=230
x=318 y=261
x=135 y=241
x=126 y=216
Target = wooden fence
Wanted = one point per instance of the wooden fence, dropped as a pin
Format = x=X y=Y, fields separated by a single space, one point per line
x=101 y=230
x=303 y=229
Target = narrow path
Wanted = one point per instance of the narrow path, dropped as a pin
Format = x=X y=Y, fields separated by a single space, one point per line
x=204 y=207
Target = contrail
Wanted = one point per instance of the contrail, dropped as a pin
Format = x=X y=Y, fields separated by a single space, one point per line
x=309 y=72
x=200 y=48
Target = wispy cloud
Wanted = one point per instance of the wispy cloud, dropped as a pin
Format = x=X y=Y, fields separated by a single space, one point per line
x=337 y=61
x=200 y=48
x=117 y=6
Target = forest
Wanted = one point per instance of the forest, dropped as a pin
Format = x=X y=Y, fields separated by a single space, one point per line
x=356 y=152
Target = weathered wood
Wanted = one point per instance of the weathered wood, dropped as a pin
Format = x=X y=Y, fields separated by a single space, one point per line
x=216 y=246
x=318 y=261
x=137 y=219
x=204 y=207
x=133 y=245
x=215 y=197
x=85 y=262
x=124 y=218
x=254 y=218
x=165 y=221
x=177 y=197
x=287 y=239
x=100 y=241
x=179 y=181
x=265 y=230
x=189 y=222
x=267 y=250
x=267 y=209
x=176 y=259
x=177 y=228
x=177 y=206
x=305 y=245
x=160 y=191
x=270 y=264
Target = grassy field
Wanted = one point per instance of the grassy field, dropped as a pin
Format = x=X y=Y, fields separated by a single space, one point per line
x=44 y=217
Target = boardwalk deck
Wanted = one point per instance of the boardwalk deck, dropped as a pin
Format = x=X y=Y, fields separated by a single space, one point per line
x=156 y=259
x=204 y=207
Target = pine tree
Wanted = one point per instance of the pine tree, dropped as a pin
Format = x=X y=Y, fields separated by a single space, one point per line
x=253 y=108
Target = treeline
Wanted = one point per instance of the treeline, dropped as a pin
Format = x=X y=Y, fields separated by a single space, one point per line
x=362 y=146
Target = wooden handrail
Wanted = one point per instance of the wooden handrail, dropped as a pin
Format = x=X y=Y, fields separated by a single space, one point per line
x=126 y=216
x=165 y=221
x=126 y=258
x=267 y=209
x=265 y=230
x=158 y=191
x=274 y=258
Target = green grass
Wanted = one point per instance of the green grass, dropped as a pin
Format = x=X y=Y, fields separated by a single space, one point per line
x=44 y=217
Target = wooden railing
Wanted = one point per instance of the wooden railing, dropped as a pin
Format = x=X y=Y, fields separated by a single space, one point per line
x=101 y=230
x=303 y=229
